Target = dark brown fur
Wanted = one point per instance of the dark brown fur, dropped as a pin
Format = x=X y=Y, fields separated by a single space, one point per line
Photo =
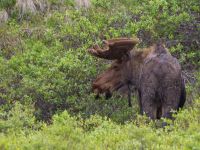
x=154 y=73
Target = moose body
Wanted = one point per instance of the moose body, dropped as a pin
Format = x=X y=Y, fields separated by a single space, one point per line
x=153 y=72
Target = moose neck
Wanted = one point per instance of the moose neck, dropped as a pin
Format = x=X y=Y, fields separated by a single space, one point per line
x=137 y=60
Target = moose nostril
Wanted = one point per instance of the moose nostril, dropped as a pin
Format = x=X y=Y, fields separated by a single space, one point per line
x=108 y=95
x=97 y=96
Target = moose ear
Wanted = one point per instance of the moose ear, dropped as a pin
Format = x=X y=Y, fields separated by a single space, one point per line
x=114 y=48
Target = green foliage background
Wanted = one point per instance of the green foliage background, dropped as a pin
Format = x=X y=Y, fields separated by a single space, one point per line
x=46 y=71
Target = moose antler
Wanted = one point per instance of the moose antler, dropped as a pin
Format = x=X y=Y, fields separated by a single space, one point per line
x=113 y=48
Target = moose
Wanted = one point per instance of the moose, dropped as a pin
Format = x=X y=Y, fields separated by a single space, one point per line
x=153 y=72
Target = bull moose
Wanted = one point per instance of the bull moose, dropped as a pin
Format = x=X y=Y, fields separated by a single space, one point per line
x=153 y=72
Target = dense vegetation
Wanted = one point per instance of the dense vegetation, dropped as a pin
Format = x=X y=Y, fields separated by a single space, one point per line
x=46 y=74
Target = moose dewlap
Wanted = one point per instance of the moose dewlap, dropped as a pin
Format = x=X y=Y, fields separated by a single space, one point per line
x=153 y=71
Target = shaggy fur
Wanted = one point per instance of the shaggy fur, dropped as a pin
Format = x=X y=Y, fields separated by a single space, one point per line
x=153 y=72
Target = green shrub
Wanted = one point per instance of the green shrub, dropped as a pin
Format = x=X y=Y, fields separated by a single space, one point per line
x=66 y=2
x=7 y=4
x=18 y=118
x=68 y=132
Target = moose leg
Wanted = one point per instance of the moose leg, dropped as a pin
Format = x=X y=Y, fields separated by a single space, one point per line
x=140 y=102
x=170 y=102
x=129 y=96
x=148 y=104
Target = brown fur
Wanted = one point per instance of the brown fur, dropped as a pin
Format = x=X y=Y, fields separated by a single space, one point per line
x=153 y=72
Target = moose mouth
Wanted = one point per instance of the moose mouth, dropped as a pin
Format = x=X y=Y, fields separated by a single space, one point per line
x=107 y=82
x=107 y=90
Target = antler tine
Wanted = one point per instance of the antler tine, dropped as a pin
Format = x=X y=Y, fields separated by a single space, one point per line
x=98 y=52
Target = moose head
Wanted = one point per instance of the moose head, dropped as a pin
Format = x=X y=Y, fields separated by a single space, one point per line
x=152 y=71
x=118 y=75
